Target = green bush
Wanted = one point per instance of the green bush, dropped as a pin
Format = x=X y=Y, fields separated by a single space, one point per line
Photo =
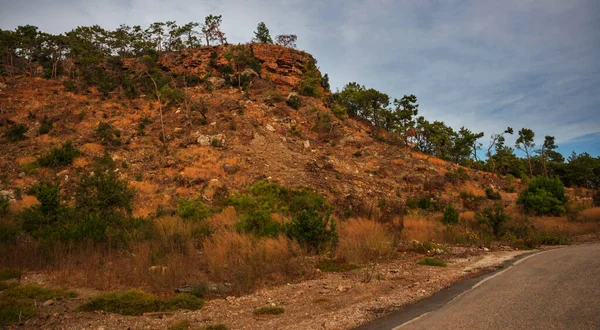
x=108 y=135
x=451 y=215
x=269 y=310
x=313 y=230
x=294 y=101
x=104 y=192
x=16 y=310
x=460 y=175
x=494 y=216
x=172 y=96
x=16 y=132
x=427 y=261
x=470 y=201
x=193 y=209
x=596 y=198
x=544 y=196
x=426 y=203
x=339 y=111
x=335 y=265
x=135 y=302
x=492 y=194
x=9 y=273
x=262 y=199
x=3 y=205
x=58 y=157
x=45 y=126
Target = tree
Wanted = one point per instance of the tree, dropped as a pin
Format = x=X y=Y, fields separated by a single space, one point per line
x=465 y=144
x=286 y=40
x=526 y=144
x=547 y=148
x=262 y=35
x=405 y=112
x=497 y=142
x=212 y=29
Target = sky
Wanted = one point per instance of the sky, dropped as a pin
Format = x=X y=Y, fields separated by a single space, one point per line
x=485 y=65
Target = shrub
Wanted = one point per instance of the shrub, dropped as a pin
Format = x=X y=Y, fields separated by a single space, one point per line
x=323 y=123
x=596 y=198
x=294 y=101
x=311 y=80
x=427 y=261
x=460 y=175
x=214 y=327
x=193 y=209
x=9 y=273
x=58 y=157
x=108 y=135
x=269 y=310
x=31 y=291
x=16 y=310
x=45 y=126
x=470 y=201
x=339 y=111
x=451 y=215
x=491 y=194
x=172 y=96
x=544 y=196
x=494 y=216
x=551 y=239
x=272 y=97
x=135 y=302
x=104 y=192
x=263 y=199
x=313 y=230
x=16 y=132
x=424 y=203
x=3 y=205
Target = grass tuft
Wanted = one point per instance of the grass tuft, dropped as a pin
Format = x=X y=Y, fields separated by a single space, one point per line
x=269 y=310
x=9 y=273
x=432 y=262
x=135 y=302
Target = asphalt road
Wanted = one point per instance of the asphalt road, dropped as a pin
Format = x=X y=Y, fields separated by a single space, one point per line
x=555 y=289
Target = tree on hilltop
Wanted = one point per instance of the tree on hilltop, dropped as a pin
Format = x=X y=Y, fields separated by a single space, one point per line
x=286 y=40
x=262 y=35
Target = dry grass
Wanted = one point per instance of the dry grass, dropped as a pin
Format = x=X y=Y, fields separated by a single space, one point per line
x=422 y=228
x=563 y=227
x=363 y=240
x=591 y=214
x=246 y=263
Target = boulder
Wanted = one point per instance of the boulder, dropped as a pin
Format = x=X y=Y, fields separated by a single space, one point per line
x=250 y=73
x=215 y=82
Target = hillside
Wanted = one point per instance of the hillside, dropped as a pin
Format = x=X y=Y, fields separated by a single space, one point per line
x=228 y=173
x=261 y=137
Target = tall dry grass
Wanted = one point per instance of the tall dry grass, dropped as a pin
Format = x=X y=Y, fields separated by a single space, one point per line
x=247 y=262
x=363 y=240
x=423 y=228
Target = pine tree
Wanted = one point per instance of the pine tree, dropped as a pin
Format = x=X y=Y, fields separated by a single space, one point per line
x=262 y=34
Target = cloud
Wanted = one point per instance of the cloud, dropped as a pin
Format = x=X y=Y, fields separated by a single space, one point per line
x=478 y=63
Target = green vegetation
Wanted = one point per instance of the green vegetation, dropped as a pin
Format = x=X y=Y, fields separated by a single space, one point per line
x=193 y=209
x=294 y=101
x=492 y=194
x=310 y=225
x=135 y=302
x=427 y=203
x=495 y=217
x=215 y=327
x=108 y=135
x=19 y=302
x=311 y=79
x=269 y=310
x=451 y=215
x=262 y=34
x=544 y=196
x=16 y=133
x=9 y=273
x=427 y=261
x=59 y=157
x=4 y=205
x=45 y=126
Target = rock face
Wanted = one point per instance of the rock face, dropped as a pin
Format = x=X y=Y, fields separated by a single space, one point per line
x=210 y=140
x=215 y=82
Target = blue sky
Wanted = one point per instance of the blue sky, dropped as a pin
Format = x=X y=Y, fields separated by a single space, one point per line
x=481 y=64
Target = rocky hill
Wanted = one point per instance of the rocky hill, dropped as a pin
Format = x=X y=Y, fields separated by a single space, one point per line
x=220 y=137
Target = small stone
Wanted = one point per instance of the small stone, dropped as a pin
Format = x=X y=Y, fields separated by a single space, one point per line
x=178 y=130
x=306 y=144
x=230 y=298
x=48 y=302
x=270 y=128
x=340 y=288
